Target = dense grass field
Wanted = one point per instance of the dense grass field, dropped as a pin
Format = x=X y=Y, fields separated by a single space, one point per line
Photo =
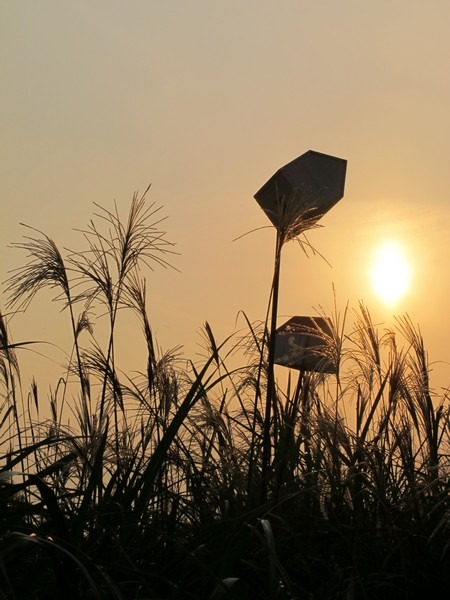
x=213 y=481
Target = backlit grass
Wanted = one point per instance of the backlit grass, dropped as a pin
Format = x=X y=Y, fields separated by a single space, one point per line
x=173 y=483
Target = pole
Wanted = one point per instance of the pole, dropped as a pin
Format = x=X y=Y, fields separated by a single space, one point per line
x=271 y=395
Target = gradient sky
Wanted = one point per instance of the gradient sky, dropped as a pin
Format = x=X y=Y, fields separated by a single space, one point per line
x=206 y=100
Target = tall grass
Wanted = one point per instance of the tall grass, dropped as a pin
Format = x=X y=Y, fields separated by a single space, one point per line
x=149 y=485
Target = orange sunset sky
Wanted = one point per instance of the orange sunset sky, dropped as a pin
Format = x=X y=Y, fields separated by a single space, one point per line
x=205 y=100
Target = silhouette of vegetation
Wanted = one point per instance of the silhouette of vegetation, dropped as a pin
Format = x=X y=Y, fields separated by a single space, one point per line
x=148 y=485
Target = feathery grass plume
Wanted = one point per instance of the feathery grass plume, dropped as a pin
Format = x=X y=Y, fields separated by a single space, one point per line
x=135 y=297
x=430 y=421
x=368 y=345
x=112 y=259
x=46 y=268
x=293 y=216
x=7 y=347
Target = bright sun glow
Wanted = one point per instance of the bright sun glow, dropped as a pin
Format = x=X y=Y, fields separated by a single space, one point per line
x=390 y=273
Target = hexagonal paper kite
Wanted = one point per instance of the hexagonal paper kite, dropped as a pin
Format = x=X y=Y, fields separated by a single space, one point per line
x=306 y=344
x=302 y=191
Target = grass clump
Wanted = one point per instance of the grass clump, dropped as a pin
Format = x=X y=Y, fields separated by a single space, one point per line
x=176 y=482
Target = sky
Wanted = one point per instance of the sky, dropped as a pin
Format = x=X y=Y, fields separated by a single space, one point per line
x=205 y=100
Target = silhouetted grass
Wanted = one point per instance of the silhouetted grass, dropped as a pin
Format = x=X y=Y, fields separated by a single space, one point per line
x=149 y=485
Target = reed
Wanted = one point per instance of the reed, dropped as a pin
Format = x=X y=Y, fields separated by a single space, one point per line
x=148 y=485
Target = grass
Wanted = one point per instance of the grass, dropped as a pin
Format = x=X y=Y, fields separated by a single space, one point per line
x=206 y=481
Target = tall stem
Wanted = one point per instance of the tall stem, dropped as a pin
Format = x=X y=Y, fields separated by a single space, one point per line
x=271 y=395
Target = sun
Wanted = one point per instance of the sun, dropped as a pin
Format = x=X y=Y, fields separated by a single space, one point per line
x=390 y=273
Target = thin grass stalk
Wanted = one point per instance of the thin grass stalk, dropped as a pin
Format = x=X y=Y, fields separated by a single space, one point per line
x=260 y=345
x=287 y=447
x=75 y=334
x=11 y=367
x=220 y=431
